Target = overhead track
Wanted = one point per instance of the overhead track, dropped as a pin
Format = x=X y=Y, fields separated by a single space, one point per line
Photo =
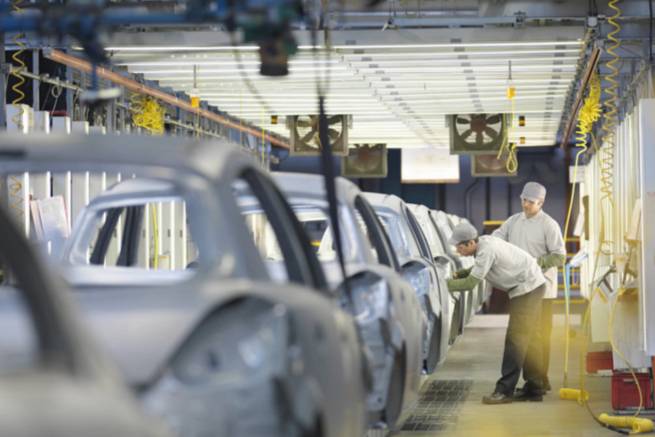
x=136 y=87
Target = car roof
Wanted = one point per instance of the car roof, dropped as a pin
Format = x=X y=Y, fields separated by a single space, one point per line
x=62 y=152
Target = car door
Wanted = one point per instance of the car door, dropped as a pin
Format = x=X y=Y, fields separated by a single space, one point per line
x=327 y=333
x=52 y=380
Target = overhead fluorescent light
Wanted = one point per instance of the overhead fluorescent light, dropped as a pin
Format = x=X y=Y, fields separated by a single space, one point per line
x=470 y=54
x=179 y=48
x=444 y=45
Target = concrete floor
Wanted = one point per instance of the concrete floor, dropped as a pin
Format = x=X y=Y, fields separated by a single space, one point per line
x=477 y=356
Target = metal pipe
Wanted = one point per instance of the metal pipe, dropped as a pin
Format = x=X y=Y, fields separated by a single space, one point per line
x=467 y=198
x=136 y=87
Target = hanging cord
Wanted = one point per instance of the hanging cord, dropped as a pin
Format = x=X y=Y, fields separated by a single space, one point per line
x=155 y=236
x=15 y=185
x=610 y=119
x=327 y=162
x=512 y=163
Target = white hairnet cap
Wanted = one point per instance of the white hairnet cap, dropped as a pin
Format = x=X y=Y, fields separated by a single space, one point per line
x=463 y=232
x=533 y=191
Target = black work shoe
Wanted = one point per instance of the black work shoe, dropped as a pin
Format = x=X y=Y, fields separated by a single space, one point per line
x=546 y=385
x=527 y=396
x=526 y=389
x=496 y=398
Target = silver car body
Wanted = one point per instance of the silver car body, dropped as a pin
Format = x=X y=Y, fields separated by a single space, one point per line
x=393 y=333
x=444 y=264
x=218 y=350
x=418 y=269
x=52 y=379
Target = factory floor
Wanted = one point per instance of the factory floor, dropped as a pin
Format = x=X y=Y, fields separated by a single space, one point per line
x=470 y=372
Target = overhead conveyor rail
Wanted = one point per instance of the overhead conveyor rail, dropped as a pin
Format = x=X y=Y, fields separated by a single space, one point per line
x=136 y=87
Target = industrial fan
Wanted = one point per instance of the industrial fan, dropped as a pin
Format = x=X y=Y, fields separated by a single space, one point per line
x=489 y=165
x=305 y=139
x=477 y=133
x=365 y=161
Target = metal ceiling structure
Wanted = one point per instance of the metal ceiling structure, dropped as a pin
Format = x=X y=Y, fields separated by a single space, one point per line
x=398 y=85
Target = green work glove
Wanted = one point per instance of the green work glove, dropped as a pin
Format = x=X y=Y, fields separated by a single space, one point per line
x=461 y=273
x=551 y=260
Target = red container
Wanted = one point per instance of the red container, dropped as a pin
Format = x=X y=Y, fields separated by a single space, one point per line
x=599 y=361
x=625 y=395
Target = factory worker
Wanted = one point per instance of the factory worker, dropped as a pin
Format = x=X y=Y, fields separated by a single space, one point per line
x=538 y=234
x=516 y=272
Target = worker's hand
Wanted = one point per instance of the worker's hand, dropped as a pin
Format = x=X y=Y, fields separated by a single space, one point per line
x=462 y=273
x=541 y=262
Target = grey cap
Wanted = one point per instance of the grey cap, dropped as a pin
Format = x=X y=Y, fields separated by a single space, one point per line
x=463 y=232
x=533 y=191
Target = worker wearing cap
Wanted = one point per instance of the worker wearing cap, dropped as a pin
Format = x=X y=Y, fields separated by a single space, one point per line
x=538 y=234
x=509 y=268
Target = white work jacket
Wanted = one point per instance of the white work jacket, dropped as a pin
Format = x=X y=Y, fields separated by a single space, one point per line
x=539 y=235
x=506 y=266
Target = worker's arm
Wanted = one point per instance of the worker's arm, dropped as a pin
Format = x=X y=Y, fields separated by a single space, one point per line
x=484 y=259
x=467 y=283
x=551 y=260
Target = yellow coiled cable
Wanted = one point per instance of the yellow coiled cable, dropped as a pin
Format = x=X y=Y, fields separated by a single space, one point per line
x=512 y=163
x=15 y=184
x=610 y=118
x=147 y=113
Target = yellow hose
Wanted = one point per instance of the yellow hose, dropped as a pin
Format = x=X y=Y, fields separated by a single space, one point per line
x=636 y=424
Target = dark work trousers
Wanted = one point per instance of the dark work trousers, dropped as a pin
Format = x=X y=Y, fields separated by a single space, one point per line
x=523 y=346
x=546 y=332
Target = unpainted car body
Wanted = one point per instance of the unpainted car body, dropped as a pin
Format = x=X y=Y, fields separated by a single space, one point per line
x=418 y=268
x=384 y=305
x=52 y=379
x=445 y=266
x=217 y=349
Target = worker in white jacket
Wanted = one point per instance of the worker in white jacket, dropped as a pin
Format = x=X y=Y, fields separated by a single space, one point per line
x=541 y=236
x=509 y=268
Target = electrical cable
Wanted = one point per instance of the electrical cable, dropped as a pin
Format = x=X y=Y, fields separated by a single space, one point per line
x=15 y=185
x=511 y=163
x=610 y=118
